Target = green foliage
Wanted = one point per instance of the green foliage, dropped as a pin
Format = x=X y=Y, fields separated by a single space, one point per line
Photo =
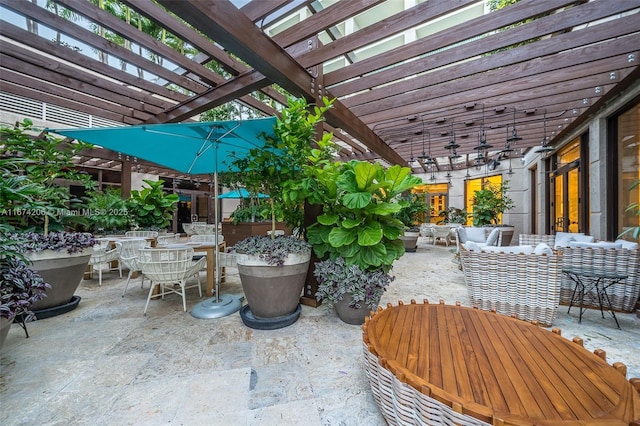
x=151 y=207
x=453 y=215
x=335 y=279
x=358 y=221
x=108 y=212
x=412 y=207
x=490 y=202
x=246 y=212
x=277 y=168
x=634 y=230
x=30 y=170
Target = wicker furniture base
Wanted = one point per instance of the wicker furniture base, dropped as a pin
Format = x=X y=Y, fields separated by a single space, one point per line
x=401 y=404
x=438 y=364
x=527 y=286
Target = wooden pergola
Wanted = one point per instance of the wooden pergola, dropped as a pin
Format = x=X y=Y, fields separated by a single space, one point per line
x=407 y=81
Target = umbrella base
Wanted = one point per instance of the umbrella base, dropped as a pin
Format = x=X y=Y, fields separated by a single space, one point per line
x=226 y=305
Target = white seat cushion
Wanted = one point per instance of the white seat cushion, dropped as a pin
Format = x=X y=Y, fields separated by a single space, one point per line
x=629 y=245
x=601 y=244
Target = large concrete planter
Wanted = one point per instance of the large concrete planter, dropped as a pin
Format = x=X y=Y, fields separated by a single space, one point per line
x=5 y=326
x=273 y=291
x=410 y=241
x=63 y=271
x=346 y=313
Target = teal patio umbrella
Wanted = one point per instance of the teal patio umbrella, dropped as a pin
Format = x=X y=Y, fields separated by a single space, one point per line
x=190 y=148
x=241 y=193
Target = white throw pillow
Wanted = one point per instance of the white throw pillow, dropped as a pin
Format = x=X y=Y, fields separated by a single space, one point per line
x=492 y=239
x=564 y=238
x=475 y=234
x=542 y=248
x=462 y=234
x=509 y=249
x=629 y=245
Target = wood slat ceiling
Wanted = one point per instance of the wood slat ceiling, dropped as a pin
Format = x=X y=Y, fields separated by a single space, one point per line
x=560 y=64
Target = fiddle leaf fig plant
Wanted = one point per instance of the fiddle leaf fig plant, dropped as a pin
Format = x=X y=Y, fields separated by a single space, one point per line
x=358 y=221
x=151 y=207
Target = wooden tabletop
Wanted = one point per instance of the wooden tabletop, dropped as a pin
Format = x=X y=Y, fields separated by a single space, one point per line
x=500 y=369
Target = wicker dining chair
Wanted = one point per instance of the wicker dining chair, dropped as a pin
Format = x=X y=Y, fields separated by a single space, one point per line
x=206 y=238
x=166 y=267
x=129 y=256
x=141 y=234
x=441 y=232
x=102 y=254
x=163 y=240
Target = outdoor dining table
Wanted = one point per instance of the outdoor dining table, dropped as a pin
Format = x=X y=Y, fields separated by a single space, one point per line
x=209 y=248
x=593 y=283
x=430 y=363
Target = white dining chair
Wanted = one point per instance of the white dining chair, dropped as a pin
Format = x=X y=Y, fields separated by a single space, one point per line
x=129 y=257
x=103 y=255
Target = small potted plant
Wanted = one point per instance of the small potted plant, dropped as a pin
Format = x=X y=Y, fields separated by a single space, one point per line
x=453 y=215
x=353 y=292
x=21 y=287
x=413 y=206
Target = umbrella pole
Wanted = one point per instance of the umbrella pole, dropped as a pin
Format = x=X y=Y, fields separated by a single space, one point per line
x=215 y=221
x=228 y=304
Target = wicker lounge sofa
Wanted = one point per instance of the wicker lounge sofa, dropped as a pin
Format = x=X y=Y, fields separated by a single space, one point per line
x=525 y=285
x=623 y=295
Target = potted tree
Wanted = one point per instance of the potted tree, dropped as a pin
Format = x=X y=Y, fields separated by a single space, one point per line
x=357 y=231
x=271 y=266
x=33 y=204
x=489 y=203
x=413 y=206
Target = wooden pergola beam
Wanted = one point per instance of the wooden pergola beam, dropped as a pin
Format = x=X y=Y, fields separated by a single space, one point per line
x=237 y=33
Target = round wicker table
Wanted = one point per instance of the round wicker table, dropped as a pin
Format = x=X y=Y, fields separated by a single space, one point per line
x=446 y=364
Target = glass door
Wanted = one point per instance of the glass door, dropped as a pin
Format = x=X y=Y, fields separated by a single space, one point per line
x=566 y=190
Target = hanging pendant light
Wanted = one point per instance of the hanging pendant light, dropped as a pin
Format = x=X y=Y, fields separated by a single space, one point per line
x=425 y=157
x=452 y=140
x=514 y=136
x=482 y=139
x=544 y=149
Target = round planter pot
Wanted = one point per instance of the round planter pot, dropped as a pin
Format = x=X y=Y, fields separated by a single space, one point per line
x=63 y=271
x=351 y=315
x=5 y=326
x=273 y=291
x=410 y=241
